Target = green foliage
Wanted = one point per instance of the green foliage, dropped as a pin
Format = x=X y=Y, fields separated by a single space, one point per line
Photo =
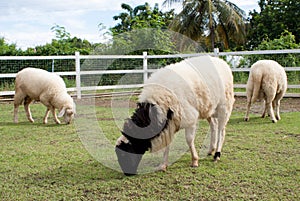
x=65 y=47
x=286 y=41
x=140 y=29
x=275 y=17
x=8 y=49
x=60 y=32
x=142 y=16
x=63 y=44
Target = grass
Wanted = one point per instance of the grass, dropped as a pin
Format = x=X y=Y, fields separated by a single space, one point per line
x=260 y=161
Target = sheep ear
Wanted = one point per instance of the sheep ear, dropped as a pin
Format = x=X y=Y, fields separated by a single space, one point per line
x=62 y=112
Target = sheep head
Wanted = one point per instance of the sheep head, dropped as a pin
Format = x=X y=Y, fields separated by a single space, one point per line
x=128 y=158
x=68 y=112
x=147 y=122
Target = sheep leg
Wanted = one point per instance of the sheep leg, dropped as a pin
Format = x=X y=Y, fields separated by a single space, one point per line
x=27 y=102
x=222 y=120
x=265 y=109
x=16 y=108
x=45 y=120
x=221 y=139
x=274 y=106
x=277 y=105
x=213 y=123
x=18 y=99
x=190 y=138
x=276 y=102
x=164 y=165
x=270 y=111
x=248 y=109
x=54 y=115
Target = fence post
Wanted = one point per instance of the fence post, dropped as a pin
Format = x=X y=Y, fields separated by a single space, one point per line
x=78 y=80
x=52 y=66
x=145 y=66
x=216 y=52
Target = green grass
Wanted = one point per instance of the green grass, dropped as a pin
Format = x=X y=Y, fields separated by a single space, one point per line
x=260 y=161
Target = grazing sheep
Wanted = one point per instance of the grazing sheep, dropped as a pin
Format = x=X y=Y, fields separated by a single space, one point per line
x=49 y=88
x=268 y=81
x=174 y=98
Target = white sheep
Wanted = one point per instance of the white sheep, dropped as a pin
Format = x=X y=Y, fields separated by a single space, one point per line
x=268 y=81
x=48 y=88
x=174 y=98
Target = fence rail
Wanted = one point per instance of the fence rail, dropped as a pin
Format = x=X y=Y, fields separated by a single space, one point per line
x=79 y=73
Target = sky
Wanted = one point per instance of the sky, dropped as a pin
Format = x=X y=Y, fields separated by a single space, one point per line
x=27 y=23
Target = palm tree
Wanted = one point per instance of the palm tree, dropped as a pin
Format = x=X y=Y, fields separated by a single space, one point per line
x=215 y=20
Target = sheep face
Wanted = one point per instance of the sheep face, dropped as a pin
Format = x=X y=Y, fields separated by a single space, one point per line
x=147 y=122
x=68 y=114
x=128 y=158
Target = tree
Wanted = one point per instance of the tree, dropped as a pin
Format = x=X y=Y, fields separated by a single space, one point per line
x=142 y=16
x=275 y=17
x=63 y=44
x=213 y=21
x=8 y=49
x=285 y=41
x=60 y=32
x=141 y=29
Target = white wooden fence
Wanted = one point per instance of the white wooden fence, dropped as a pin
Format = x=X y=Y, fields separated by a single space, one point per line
x=78 y=73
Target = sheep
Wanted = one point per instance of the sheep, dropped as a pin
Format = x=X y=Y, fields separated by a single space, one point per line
x=48 y=88
x=268 y=81
x=174 y=98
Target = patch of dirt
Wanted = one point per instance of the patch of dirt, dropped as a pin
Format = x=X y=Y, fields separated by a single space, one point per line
x=107 y=102
x=287 y=104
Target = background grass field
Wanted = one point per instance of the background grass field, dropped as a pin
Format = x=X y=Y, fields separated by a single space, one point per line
x=260 y=161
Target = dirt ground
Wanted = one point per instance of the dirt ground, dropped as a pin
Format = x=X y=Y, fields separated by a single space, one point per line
x=287 y=104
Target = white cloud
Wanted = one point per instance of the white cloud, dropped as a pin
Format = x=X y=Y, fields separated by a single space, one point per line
x=27 y=39
x=246 y=5
x=28 y=22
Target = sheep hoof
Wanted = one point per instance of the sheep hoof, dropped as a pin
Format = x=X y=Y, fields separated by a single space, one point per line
x=194 y=164
x=211 y=151
x=217 y=156
x=31 y=120
x=274 y=121
x=163 y=168
x=246 y=119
